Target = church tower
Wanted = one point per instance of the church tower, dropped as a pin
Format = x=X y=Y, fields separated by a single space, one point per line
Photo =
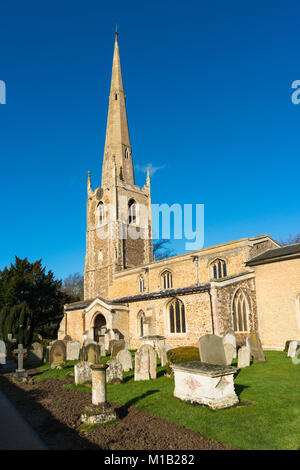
x=119 y=229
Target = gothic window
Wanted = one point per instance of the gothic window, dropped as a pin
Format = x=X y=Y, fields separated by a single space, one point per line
x=132 y=212
x=141 y=318
x=126 y=153
x=141 y=283
x=177 y=316
x=101 y=213
x=166 y=280
x=240 y=311
x=218 y=269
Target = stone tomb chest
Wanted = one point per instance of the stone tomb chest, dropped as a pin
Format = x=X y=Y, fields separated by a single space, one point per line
x=207 y=384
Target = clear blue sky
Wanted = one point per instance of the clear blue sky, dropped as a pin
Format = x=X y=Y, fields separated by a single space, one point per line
x=208 y=88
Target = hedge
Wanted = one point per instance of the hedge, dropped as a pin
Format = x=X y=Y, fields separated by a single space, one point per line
x=182 y=354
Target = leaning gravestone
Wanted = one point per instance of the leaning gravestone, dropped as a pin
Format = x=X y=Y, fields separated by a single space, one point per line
x=293 y=348
x=229 y=338
x=2 y=352
x=211 y=350
x=230 y=352
x=93 y=353
x=82 y=373
x=35 y=354
x=114 y=373
x=57 y=355
x=163 y=356
x=115 y=346
x=73 y=349
x=256 y=350
x=124 y=357
x=145 y=363
x=243 y=357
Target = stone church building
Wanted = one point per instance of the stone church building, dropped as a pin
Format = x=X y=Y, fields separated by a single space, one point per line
x=127 y=293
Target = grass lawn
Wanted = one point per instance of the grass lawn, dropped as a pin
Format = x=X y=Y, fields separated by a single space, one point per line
x=268 y=417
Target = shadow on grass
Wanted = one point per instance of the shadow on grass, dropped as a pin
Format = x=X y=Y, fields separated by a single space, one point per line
x=123 y=410
x=54 y=433
x=239 y=388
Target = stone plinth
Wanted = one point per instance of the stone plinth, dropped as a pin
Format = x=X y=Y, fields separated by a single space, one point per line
x=98 y=414
x=98 y=383
x=207 y=384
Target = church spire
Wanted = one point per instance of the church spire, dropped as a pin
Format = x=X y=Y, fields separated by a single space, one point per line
x=117 y=142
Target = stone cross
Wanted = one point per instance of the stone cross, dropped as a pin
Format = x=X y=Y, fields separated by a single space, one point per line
x=20 y=351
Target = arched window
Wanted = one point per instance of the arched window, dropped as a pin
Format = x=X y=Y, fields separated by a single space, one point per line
x=141 y=318
x=101 y=213
x=126 y=153
x=99 y=327
x=177 y=316
x=166 y=280
x=131 y=211
x=218 y=269
x=240 y=311
x=141 y=284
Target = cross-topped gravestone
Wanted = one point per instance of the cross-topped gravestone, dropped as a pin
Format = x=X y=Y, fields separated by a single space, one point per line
x=20 y=371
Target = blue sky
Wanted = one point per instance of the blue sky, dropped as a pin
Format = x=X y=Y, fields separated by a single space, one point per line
x=208 y=88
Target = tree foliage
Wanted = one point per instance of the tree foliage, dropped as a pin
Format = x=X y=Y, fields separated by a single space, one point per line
x=31 y=300
x=73 y=285
x=161 y=251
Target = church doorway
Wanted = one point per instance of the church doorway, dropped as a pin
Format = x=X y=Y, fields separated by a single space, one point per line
x=99 y=328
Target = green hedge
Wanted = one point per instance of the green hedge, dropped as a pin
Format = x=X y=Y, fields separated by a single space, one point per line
x=182 y=354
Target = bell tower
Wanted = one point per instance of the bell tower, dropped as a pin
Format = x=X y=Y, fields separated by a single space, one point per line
x=119 y=228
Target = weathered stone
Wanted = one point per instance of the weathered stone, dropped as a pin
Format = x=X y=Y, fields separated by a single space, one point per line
x=229 y=338
x=20 y=372
x=156 y=341
x=206 y=384
x=243 y=357
x=115 y=346
x=163 y=356
x=293 y=348
x=57 y=354
x=2 y=352
x=82 y=373
x=145 y=363
x=229 y=353
x=98 y=414
x=93 y=353
x=36 y=353
x=124 y=357
x=256 y=350
x=73 y=349
x=211 y=350
x=114 y=373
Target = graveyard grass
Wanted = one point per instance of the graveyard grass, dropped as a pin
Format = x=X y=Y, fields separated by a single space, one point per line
x=268 y=416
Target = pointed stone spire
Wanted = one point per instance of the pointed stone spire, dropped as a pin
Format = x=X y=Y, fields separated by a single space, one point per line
x=117 y=142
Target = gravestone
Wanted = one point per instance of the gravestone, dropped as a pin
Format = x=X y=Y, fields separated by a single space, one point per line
x=256 y=350
x=82 y=373
x=124 y=357
x=230 y=352
x=206 y=384
x=110 y=335
x=229 y=338
x=115 y=346
x=20 y=372
x=114 y=373
x=163 y=356
x=2 y=352
x=293 y=348
x=57 y=354
x=73 y=349
x=211 y=350
x=36 y=352
x=156 y=341
x=145 y=363
x=243 y=357
x=93 y=353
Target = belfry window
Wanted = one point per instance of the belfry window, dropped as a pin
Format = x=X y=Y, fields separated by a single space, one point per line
x=166 y=280
x=101 y=213
x=219 y=269
x=116 y=96
x=132 y=212
x=240 y=309
x=141 y=283
x=177 y=317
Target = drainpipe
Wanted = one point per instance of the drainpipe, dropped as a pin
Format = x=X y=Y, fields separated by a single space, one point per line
x=196 y=261
x=211 y=313
x=147 y=273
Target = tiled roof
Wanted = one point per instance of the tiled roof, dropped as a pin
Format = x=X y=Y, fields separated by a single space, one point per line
x=276 y=254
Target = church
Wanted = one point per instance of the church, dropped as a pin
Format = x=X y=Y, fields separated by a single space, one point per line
x=128 y=294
